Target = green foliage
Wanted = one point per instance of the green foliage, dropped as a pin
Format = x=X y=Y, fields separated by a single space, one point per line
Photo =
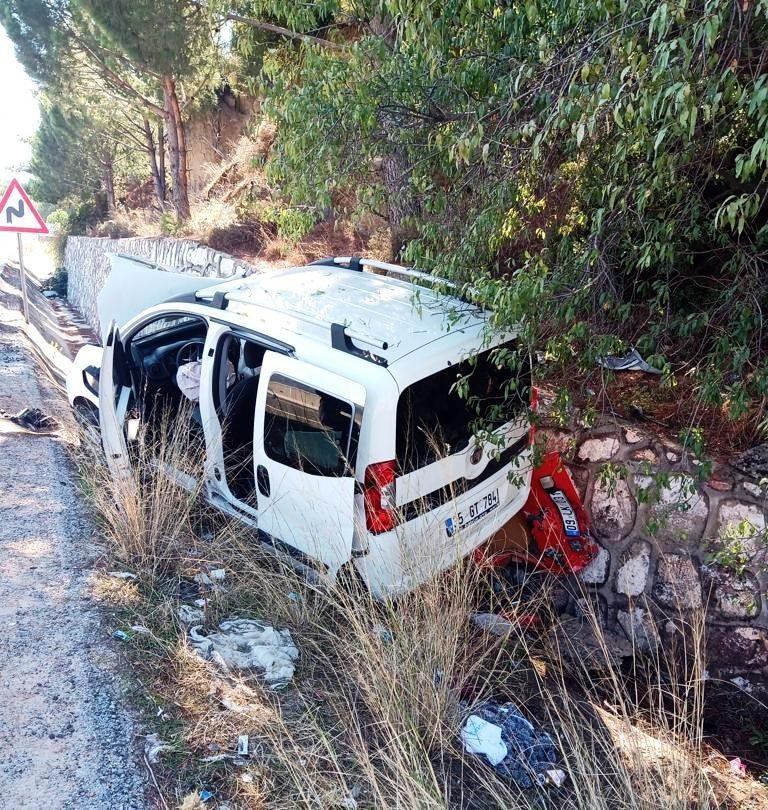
x=58 y=282
x=293 y=224
x=595 y=172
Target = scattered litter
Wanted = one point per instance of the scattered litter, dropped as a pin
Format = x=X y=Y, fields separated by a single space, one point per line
x=216 y=758
x=31 y=419
x=121 y=574
x=141 y=629
x=121 y=635
x=528 y=752
x=246 y=643
x=212 y=578
x=742 y=683
x=190 y=615
x=737 y=767
x=382 y=633
x=492 y=623
x=242 y=745
x=481 y=737
x=293 y=596
x=154 y=746
x=205 y=795
x=247 y=778
x=200 y=602
x=555 y=777
x=631 y=361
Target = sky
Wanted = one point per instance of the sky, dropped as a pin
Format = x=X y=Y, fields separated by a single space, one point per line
x=18 y=112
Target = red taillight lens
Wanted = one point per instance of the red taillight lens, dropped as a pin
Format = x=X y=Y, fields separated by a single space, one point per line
x=379 y=497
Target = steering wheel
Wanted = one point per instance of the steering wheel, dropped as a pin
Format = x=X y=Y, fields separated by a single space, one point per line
x=190 y=352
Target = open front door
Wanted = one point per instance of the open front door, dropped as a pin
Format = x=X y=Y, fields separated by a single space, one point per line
x=306 y=432
x=115 y=394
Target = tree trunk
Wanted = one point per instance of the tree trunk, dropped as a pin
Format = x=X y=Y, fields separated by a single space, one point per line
x=161 y=159
x=403 y=207
x=109 y=185
x=177 y=148
x=157 y=181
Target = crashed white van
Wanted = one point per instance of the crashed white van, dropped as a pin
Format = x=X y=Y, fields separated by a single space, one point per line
x=330 y=405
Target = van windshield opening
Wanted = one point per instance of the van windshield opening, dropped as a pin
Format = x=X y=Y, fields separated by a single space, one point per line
x=438 y=415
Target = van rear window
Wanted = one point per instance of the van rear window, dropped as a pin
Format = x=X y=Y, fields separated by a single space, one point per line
x=438 y=415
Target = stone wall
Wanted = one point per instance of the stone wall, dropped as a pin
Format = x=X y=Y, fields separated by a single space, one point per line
x=87 y=263
x=659 y=519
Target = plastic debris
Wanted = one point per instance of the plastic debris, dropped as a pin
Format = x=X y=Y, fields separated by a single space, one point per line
x=492 y=623
x=382 y=633
x=205 y=795
x=481 y=737
x=190 y=615
x=743 y=684
x=121 y=575
x=121 y=635
x=212 y=578
x=31 y=419
x=556 y=777
x=530 y=753
x=247 y=644
x=242 y=745
x=631 y=361
x=154 y=746
x=737 y=767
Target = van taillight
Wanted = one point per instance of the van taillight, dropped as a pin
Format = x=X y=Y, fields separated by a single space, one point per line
x=379 y=497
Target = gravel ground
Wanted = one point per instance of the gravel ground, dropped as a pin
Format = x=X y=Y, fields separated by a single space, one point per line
x=67 y=739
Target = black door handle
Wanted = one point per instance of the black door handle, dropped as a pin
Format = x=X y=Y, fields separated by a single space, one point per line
x=262 y=480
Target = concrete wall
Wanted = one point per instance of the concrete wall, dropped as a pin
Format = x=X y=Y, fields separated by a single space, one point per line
x=87 y=263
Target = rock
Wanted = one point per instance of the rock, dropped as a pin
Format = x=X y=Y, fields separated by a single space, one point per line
x=613 y=512
x=672 y=457
x=633 y=436
x=754 y=490
x=731 y=596
x=680 y=510
x=227 y=266
x=753 y=462
x=720 y=484
x=588 y=647
x=580 y=478
x=640 y=628
x=677 y=582
x=598 y=449
x=596 y=573
x=646 y=454
x=555 y=441
x=738 y=649
x=745 y=522
x=632 y=576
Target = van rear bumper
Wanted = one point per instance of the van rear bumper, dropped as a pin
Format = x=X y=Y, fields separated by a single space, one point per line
x=406 y=557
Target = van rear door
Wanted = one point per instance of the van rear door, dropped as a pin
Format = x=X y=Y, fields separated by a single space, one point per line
x=305 y=443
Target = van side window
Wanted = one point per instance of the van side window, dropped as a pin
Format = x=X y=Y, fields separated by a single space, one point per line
x=309 y=430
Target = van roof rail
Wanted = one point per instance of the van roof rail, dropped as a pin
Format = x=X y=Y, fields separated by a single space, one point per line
x=359 y=263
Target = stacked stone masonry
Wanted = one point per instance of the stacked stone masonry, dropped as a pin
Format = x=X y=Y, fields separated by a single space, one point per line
x=659 y=522
x=87 y=262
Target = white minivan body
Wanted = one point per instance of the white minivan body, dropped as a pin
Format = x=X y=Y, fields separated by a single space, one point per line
x=332 y=414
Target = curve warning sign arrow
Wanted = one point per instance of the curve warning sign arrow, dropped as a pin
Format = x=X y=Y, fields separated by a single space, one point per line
x=17 y=213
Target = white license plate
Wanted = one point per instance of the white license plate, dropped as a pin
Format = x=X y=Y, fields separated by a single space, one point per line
x=567 y=514
x=472 y=513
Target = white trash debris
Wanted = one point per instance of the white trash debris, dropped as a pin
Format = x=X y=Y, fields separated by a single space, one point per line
x=212 y=578
x=492 y=623
x=556 y=777
x=190 y=615
x=245 y=644
x=481 y=737
x=242 y=745
x=154 y=746
x=121 y=574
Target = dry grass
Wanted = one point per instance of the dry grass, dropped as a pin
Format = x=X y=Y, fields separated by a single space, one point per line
x=373 y=716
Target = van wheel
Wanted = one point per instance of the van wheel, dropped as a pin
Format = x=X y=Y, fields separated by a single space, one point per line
x=350 y=583
x=86 y=413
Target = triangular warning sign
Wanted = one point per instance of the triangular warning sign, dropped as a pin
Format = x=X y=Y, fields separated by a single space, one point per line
x=17 y=213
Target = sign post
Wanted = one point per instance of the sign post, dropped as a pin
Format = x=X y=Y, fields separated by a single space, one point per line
x=18 y=215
